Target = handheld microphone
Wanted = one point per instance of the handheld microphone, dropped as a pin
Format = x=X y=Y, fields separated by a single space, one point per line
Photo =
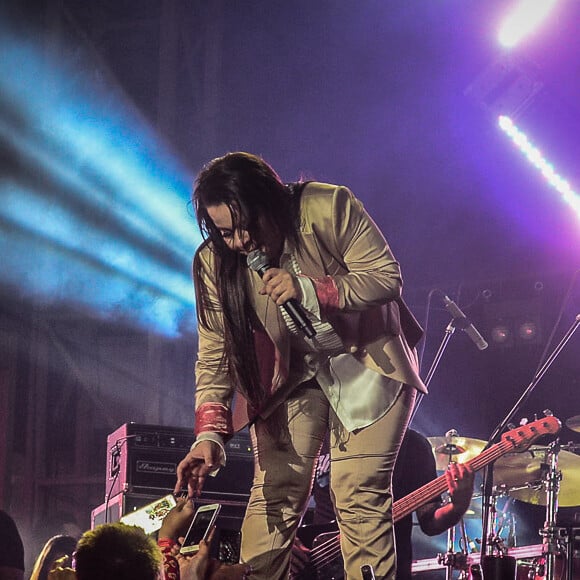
x=258 y=261
x=461 y=321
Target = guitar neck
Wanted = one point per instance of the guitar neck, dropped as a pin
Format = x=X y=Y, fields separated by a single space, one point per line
x=421 y=496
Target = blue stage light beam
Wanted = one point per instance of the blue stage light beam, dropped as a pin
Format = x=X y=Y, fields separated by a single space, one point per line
x=94 y=209
x=535 y=157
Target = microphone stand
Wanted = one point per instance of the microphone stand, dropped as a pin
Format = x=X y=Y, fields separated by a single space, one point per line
x=488 y=474
x=438 y=356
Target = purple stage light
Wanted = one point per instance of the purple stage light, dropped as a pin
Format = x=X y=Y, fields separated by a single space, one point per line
x=525 y=17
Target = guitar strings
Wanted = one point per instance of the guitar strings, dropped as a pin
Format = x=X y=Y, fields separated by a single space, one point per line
x=326 y=552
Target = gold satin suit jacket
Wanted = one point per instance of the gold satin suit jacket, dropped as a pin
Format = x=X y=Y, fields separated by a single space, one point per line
x=358 y=285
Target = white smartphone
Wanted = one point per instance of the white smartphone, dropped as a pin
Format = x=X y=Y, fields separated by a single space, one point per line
x=151 y=516
x=200 y=527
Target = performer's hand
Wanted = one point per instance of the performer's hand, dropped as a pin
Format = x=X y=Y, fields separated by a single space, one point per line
x=460 y=485
x=280 y=286
x=195 y=467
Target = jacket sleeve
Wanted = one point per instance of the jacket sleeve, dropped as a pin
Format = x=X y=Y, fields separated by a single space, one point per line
x=213 y=391
x=369 y=274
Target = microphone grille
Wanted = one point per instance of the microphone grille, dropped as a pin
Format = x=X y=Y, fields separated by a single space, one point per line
x=257 y=260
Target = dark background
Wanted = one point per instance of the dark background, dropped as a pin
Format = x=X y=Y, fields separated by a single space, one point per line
x=386 y=97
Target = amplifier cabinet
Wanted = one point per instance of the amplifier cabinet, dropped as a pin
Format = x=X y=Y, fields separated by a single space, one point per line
x=143 y=459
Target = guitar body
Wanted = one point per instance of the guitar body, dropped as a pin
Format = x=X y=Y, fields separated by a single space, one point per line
x=331 y=568
x=326 y=559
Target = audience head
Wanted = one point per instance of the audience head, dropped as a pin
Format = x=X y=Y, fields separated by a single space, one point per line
x=11 y=549
x=118 y=552
x=55 y=548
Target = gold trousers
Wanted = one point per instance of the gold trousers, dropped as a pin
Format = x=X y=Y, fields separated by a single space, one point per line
x=286 y=447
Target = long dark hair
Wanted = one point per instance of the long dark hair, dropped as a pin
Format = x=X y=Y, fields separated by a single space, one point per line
x=255 y=195
x=55 y=548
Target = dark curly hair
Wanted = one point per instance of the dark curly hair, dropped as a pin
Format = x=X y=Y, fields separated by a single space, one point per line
x=117 y=552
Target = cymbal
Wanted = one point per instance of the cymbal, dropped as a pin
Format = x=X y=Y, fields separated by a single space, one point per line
x=574 y=423
x=523 y=473
x=454 y=448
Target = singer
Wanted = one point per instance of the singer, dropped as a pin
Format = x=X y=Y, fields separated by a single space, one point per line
x=355 y=374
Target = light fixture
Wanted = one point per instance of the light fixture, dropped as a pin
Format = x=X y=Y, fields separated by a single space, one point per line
x=523 y=19
x=537 y=159
x=501 y=334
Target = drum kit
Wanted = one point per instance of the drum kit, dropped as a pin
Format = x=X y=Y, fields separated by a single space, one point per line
x=539 y=475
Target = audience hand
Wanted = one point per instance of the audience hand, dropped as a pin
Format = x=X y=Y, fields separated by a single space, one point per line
x=176 y=522
x=201 y=567
x=60 y=571
x=194 y=567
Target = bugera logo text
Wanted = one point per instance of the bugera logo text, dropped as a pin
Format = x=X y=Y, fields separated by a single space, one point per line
x=156 y=467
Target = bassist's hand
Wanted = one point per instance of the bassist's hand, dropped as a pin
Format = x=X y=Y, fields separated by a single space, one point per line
x=299 y=560
x=460 y=485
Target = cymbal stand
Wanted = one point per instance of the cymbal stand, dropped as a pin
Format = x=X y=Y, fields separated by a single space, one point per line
x=453 y=560
x=464 y=545
x=550 y=532
x=493 y=538
x=450 y=563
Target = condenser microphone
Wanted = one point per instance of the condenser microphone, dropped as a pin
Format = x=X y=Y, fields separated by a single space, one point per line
x=461 y=321
x=258 y=261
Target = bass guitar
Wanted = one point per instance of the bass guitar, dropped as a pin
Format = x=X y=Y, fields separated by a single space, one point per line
x=325 y=555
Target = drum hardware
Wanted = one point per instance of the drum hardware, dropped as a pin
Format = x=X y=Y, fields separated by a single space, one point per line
x=520 y=437
x=494 y=541
x=573 y=423
x=456 y=560
x=572 y=447
x=530 y=563
x=555 y=557
x=550 y=533
x=453 y=561
x=505 y=520
x=546 y=362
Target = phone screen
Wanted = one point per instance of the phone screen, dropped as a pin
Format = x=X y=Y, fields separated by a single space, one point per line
x=201 y=525
x=151 y=516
